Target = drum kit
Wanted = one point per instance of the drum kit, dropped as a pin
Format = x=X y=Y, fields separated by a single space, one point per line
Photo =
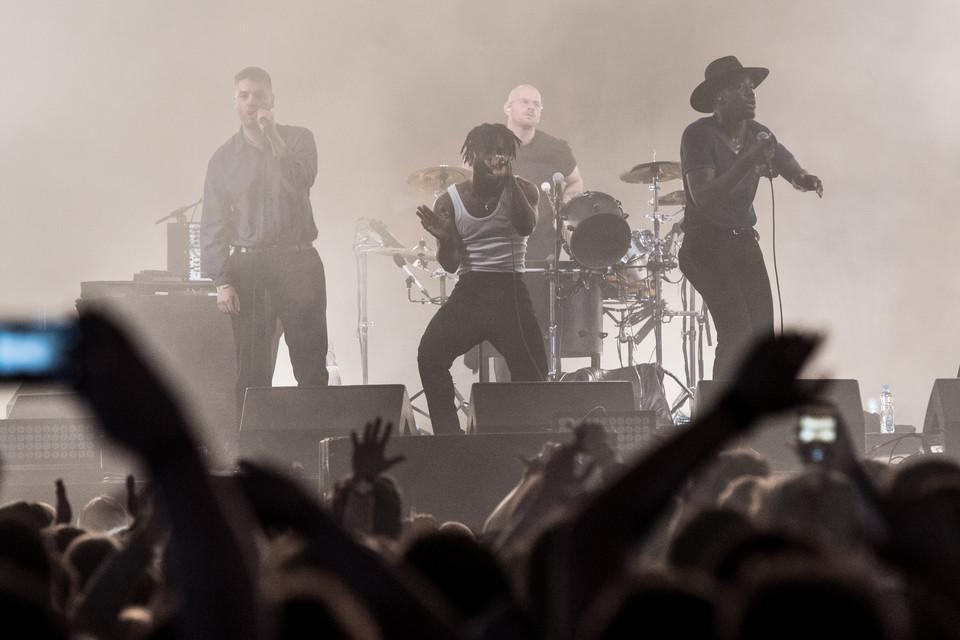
x=630 y=266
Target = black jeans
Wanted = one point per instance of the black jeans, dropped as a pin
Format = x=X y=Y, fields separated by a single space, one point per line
x=483 y=306
x=289 y=287
x=728 y=271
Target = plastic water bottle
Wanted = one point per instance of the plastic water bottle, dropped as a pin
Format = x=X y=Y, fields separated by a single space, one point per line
x=886 y=410
x=332 y=368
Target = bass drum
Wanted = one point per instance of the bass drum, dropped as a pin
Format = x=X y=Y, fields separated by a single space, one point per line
x=595 y=229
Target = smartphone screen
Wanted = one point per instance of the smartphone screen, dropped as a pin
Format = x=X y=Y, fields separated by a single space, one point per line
x=815 y=428
x=36 y=351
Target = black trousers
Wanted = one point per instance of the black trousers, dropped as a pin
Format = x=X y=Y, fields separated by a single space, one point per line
x=728 y=271
x=483 y=306
x=289 y=287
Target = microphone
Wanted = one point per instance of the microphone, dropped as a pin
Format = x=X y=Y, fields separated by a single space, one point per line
x=400 y=262
x=262 y=122
x=557 y=180
x=762 y=137
x=545 y=187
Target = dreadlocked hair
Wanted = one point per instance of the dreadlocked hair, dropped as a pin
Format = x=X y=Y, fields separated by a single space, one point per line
x=488 y=137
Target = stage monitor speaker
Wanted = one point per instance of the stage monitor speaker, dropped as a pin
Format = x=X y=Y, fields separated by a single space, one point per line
x=774 y=436
x=502 y=407
x=941 y=425
x=54 y=442
x=452 y=477
x=284 y=425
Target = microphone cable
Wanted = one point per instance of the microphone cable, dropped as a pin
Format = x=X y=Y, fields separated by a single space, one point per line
x=773 y=240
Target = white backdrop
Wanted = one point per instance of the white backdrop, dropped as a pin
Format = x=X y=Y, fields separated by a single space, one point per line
x=111 y=110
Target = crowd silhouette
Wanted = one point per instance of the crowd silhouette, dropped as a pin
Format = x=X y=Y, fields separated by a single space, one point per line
x=689 y=540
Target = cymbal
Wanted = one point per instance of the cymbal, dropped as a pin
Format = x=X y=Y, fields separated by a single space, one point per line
x=433 y=179
x=671 y=199
x=645 y=173
x=414 y=253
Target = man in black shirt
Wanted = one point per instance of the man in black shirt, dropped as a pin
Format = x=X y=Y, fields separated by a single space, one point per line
x=257 y=234
x=539 y=157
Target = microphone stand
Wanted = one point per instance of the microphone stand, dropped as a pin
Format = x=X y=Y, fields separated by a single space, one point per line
x=554 y=355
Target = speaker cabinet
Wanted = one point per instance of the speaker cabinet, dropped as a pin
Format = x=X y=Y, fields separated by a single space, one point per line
x=178 y=327
x=284 y=425
x=941 y=425
x=452 y=477
x=500 y=407
x=775 y=436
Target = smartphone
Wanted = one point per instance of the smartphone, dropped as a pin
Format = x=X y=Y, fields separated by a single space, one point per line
x=40 y=351
x=816 y=434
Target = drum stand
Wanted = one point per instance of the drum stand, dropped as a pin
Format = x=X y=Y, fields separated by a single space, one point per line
x=659 y=263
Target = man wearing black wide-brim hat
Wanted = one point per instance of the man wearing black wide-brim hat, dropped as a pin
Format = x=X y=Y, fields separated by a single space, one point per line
x=723 y=157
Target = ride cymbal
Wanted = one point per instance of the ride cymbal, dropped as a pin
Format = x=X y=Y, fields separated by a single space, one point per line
x=646 y=173
x=415 y=253
x=433 y=179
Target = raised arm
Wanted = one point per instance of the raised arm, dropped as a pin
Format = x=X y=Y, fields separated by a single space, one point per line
x=524 y=197
x=137 y=410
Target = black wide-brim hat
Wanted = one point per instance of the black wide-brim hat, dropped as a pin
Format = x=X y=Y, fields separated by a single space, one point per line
x=719 y=74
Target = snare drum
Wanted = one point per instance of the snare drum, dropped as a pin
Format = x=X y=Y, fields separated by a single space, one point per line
x=595 y=230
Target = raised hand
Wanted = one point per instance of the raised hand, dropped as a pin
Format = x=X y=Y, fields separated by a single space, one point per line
x=134 y=405
x=437 y=223
x=369 y=459
x=767 y=379
x=64 y=511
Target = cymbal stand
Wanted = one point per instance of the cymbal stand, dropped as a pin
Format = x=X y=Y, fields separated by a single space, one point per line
x=364 y=241
x=659 y=263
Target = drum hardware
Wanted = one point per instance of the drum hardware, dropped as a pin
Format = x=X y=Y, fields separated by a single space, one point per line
x=373 y=236
x=592 y=229
x=419 y=253
x=659 y=261
x=435 y=180
x=674 y=198
x=652 y=173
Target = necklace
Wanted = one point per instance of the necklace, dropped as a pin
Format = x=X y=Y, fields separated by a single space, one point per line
x=737 y=144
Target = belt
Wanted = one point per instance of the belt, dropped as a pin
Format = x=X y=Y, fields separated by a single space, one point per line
x=737 y=231
x=293 y=248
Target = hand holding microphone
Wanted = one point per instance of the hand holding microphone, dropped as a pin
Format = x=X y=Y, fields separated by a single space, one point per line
x=768 y=144
x=265 y=120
